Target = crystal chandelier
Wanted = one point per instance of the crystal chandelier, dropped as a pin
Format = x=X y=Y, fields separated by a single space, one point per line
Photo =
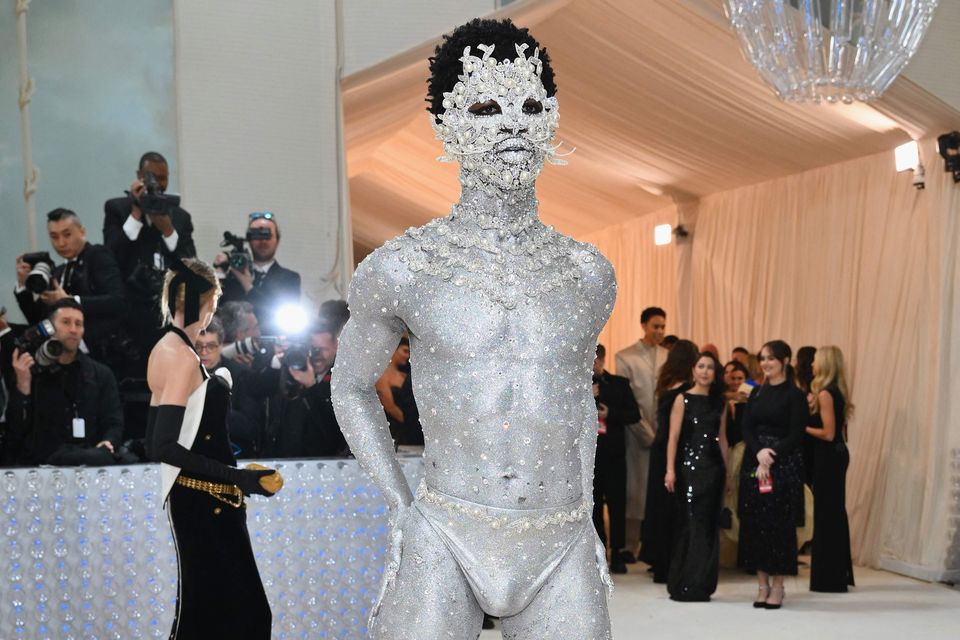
x=833 y=50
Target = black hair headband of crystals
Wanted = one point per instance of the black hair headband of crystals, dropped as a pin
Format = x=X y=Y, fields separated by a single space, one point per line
x=194 y=286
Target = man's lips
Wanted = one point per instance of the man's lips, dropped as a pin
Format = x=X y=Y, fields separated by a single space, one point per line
x=514 y=144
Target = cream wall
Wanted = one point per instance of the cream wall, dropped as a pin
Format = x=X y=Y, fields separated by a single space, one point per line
x=257 y=102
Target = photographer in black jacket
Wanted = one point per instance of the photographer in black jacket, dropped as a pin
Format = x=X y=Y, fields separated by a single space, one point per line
x=144 y=230
x=301 y=419
x=261 y=281
x=90 y=276
x=67 y=412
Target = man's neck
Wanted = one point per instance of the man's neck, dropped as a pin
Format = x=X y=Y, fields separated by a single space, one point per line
x=499 y=214
x=67 y=357
x=263 y=264
x=649 y=341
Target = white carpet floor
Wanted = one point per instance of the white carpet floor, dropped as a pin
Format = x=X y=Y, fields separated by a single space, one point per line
x=883 y=606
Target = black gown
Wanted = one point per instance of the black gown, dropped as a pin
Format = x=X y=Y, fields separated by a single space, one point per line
x=776 y=417
x=701 y=476
x=831 y=564
x=220 y=593
x=659 y=521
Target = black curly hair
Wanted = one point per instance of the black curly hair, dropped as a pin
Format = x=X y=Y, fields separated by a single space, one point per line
x=445 y=65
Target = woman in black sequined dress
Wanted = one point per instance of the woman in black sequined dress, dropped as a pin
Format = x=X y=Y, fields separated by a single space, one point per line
x=696 y=474
x=659 y=522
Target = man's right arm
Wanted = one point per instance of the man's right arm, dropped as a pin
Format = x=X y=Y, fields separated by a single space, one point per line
x=366 y=345
x=30 y=306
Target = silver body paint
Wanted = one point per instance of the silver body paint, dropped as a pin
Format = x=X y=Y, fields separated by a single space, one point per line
x=503 y=315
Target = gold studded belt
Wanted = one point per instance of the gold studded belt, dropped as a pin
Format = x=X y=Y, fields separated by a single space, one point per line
x=228 y=493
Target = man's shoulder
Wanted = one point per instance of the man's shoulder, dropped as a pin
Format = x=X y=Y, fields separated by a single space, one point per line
x=285 y=272
x=630 y=350
x=394 y=255
x=181 y=213
x=118 y=206
x=592 y=264
x=98 y=253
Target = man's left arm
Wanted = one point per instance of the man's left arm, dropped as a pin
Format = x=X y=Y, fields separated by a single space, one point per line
x=180 y=242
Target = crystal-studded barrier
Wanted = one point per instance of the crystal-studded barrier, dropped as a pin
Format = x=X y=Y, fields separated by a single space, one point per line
x=87 y=553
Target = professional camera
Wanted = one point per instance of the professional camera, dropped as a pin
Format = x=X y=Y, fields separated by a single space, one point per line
x=38 y=341
x=297 y=356
x=262 y=346
x=239 y=256
x=40 y=278
x=153 y=201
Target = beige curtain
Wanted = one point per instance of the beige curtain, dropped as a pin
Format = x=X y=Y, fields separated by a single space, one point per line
x=851 y=255
x=646 y=276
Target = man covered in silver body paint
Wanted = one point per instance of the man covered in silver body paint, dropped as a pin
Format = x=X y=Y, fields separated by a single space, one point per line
x=503 y=315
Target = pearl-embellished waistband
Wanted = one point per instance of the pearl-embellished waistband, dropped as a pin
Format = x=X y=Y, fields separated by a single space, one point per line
x=500 y=518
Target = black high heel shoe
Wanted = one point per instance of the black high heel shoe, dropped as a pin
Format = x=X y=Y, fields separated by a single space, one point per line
x=764 y=592
x=783 y=594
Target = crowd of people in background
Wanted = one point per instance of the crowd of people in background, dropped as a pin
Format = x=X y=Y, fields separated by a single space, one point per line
x=698 y=446
x=73 y=378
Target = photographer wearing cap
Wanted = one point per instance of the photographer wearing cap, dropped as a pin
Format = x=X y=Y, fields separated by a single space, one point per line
x=145 y=230
x=65 y=409
x=90 y=276
x=258 y=278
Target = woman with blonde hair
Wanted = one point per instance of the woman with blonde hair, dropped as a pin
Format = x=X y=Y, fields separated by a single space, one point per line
x=220 y=594
x=831 y=567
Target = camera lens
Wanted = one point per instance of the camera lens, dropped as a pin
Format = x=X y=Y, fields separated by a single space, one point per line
x=38 y=280
x=49 y=352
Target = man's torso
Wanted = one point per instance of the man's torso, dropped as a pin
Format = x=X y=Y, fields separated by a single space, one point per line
x=502 y=373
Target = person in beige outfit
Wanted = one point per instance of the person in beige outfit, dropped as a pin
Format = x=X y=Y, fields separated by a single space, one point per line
x=640 y=363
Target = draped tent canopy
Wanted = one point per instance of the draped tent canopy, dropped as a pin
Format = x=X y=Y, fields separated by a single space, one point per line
x=657 y=100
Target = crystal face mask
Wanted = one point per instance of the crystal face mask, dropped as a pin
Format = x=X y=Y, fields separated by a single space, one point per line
x=502 y=142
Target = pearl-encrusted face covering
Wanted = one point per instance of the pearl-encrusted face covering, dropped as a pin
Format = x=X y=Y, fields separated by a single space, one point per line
x=502 y=146
x=503 y=315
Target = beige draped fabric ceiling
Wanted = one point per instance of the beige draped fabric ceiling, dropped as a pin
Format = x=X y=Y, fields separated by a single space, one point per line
x=653 y=93
x=801 y=228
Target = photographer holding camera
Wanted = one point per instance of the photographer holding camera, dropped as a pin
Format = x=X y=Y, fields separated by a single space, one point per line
x=90 y=276
x=301 y=419
x=65 y=409
x=144 y=230
x=257 y=277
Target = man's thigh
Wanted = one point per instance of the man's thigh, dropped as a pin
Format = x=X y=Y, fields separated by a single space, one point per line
x=430 y=597
x=572 y=603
